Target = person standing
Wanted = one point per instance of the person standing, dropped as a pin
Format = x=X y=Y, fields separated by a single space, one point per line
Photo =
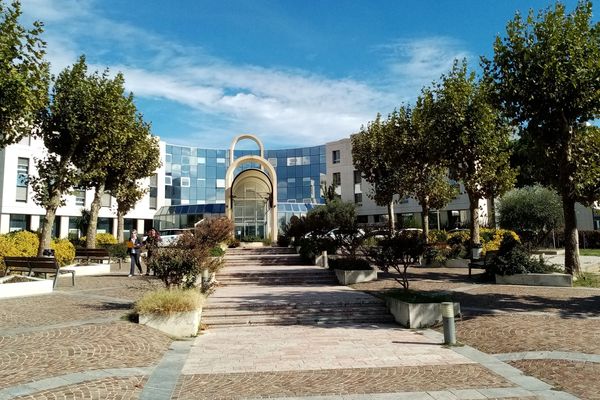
x=152 y=242
x=134 y=246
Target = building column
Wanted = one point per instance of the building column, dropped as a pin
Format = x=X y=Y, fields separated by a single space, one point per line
x=4 y=223
x=64 y=227
x=34 y=222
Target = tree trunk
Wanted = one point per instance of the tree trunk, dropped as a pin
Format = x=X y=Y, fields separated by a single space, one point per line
x=571 y=236
x=474 y=210
x=425 y=218
x=120 y=226
x=492 y=213
x=391 y=217
x=90 y=240
x=46 y=238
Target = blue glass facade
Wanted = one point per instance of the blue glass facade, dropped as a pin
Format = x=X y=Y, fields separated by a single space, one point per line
x=197 y=175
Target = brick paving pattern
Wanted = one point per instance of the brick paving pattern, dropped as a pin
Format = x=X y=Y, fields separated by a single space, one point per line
x=110 y=388
x=56 y=352
x=502 y=333
x=577 y=378
x=337 y=381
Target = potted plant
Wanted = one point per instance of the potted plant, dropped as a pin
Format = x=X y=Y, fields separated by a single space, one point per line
x=176 y=312
x=397 y=253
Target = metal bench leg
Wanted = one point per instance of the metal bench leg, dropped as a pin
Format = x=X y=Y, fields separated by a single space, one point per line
x=55 y=279
x=73 y=277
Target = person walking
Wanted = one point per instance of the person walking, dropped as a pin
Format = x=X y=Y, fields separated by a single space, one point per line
x=134 y=246
x=152 y=242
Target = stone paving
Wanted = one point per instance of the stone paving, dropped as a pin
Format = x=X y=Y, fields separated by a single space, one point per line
x=77 y=344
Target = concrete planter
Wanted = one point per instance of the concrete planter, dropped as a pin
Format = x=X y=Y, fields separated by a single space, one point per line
x=350 y=277
x=560 y=280
x=87 y=269
x=180 y=324
x=33 y=287
x=457 y=263
x=417 y=315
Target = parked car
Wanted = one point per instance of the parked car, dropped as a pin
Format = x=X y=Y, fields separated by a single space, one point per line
x=170 y=236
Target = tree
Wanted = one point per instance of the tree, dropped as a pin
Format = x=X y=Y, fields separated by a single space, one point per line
x=471 y=135
x=545 y=73
x=64 y=133
x=368 y=147
x=533 y=212
x=111 y=121
x=24 y=75
x=424 y=174
x=140 y=160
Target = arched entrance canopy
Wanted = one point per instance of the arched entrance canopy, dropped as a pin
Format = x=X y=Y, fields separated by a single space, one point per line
x=266 y=175
x=249 y=137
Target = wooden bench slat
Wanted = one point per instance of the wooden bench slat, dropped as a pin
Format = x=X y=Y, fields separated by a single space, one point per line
x=45 y=265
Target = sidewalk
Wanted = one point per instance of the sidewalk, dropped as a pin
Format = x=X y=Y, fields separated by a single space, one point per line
x=520 y=343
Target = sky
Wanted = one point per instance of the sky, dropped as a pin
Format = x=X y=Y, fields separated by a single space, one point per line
x=293 y=72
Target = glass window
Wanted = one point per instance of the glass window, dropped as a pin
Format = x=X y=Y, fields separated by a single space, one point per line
x=105 y=200
x=273 y=161
x=337 y=178
x=18 y=222
x=220 y=160
x=201 y=160
x=335 y=155
x=79 y=197
x=291 y=161
x=168 y=180
x=22 y=176
x=220 y=183
x=185 y=181
x=357 y=177
x=357 y=198
x=169 y=158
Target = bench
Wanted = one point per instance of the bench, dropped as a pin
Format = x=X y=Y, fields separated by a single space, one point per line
x=483 y=262
x=30 y=265
x=99 y=254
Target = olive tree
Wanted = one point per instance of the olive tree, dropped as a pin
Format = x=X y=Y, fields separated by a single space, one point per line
x=545 y=73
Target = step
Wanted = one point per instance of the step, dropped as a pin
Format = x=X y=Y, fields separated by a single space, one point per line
x=298 y=320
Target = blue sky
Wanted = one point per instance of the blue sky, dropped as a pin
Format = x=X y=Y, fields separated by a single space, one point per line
x=295 y=73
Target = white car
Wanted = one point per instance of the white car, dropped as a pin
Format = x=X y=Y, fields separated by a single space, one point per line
x=170 y=236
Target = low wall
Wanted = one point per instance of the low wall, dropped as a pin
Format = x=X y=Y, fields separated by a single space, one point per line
x=560 y=280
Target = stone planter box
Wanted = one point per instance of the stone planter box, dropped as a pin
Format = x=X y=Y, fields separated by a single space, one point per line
x=417 y=315
x=350 y=277
x=560 y=280
x=34 y=287
x=88 y=269
x=181 y=324
x=457 y=263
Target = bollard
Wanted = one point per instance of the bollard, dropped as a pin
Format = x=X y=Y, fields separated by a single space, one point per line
x=448 y=318
x=324 y=256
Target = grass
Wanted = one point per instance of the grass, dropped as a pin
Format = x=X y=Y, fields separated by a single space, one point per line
x=589 y=252
x=587 y=279
x=166 y=301
x=412 y=296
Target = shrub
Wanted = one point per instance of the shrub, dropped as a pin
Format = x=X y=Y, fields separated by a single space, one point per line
x=349 y=264
x=213 y=231
x=283 y=241
x=25 y=243
x=216 y=251
x=251 y=238
x=118 y=250
x=102 y=240
x=64 y=251
x=491 y=238
x=437 y=236
x=232 y=242
x=437 y=254
x=513 y=258
x=397 y=252
x=589 y=239
x=166 y=301
x=176 y=266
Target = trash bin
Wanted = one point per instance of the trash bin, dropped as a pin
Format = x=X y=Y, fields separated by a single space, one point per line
x=48 y=253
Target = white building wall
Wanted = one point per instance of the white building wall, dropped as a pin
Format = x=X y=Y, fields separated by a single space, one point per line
x=33 y=149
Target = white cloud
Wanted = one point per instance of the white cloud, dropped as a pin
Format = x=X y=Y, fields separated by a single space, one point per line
x=283 y=107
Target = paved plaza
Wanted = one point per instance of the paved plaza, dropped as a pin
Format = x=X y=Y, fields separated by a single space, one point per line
x=518 y=343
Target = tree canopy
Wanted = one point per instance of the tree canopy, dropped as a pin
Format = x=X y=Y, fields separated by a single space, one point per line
x=24 y=75
x=545 y=75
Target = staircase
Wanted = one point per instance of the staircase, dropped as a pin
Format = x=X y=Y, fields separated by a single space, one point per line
x=272 y=286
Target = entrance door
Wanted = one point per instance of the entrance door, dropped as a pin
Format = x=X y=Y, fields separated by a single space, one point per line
x=251 y=205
